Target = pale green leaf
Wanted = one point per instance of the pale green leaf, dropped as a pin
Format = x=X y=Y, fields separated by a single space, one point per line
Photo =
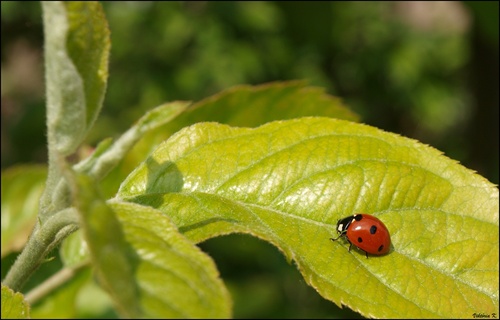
x=288 y=182
x=77 y=48
x=22 y=187
x=147 y=266
x=13 y=305
x=251 y=106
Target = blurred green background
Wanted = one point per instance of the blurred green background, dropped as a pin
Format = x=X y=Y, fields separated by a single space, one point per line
x=425 y=70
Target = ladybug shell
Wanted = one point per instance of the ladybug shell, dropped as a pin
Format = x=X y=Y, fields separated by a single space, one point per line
x=367 y=233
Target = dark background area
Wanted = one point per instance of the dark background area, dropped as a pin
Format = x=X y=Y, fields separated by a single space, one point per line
x=425 y=70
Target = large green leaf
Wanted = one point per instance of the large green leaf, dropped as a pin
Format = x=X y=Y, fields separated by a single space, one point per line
x=147 y=266
x=76 y=59
x=22 y=187
x=288 y=182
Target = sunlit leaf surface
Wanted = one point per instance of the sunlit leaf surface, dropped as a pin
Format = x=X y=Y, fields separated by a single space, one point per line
x=288 y=182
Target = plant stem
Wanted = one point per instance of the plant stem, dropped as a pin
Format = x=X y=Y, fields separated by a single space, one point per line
x=40 y=243
x=53 y=282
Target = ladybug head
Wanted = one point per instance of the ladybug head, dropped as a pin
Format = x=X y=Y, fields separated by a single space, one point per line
x=343 y=224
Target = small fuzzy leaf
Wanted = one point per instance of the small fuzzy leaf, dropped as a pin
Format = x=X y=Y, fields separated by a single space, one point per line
x=289 y=182
x=76 y=59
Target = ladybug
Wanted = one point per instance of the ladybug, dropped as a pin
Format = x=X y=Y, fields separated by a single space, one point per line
x=366 y=232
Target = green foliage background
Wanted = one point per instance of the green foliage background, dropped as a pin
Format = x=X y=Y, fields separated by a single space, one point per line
x=432 y=77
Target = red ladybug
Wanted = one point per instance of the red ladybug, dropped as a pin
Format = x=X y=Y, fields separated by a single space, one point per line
x=366 y=232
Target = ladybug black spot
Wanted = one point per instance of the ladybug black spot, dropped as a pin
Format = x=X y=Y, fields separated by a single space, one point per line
x=380 y=248
x=360 y=239
x=373 y=229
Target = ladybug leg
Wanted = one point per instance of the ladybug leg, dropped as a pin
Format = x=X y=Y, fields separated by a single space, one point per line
x=350 y=243
x=350 y=246
x=336 y=238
